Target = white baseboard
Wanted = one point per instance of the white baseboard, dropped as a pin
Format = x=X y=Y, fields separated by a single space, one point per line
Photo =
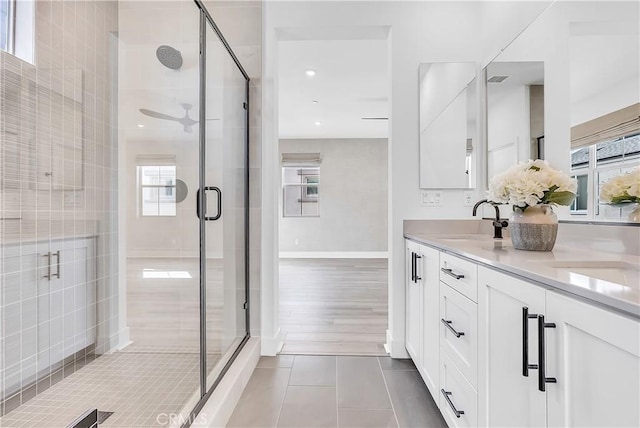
x=219 y=407
x=270 y=346
x=395 y=348
x=334 y=254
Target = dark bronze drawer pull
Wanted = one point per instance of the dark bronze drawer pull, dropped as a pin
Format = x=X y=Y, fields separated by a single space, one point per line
x=450 y=273
x=453 y=407
x=447 y=323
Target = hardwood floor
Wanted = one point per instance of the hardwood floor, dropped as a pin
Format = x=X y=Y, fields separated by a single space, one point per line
x=333 y=306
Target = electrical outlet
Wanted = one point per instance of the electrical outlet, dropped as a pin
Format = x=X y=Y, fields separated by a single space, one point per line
x=296 y=242
x=429 y=198
x=468 y=198
x=425 y=197
x=437 y=198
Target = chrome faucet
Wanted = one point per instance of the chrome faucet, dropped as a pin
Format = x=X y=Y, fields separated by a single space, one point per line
x=498 y=223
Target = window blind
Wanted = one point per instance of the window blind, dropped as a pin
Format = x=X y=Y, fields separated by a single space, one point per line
x=301 y=159
x=155 y=160
x=616 y=124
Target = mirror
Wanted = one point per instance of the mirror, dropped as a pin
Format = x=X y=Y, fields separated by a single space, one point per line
x=515 y=114
x=448 y=125
x=604 y=71
x=591 y=56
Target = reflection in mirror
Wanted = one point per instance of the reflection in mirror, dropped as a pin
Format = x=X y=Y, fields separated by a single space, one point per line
x=604 y=67
x=448 y=126
x=515 y=114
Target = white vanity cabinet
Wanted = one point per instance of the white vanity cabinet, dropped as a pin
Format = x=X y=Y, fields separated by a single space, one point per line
x=507 y=397
x=49 y=306
x=547 y=359
x=595 y=356
x=422 y=318
x=528 y=356
x=458 y=397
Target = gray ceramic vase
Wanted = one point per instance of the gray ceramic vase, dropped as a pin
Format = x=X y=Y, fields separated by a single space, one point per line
x=534 y=229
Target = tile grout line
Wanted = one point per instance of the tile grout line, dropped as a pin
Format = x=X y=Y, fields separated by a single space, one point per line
x=285 y=392
x=384 y=379
x=337 y=405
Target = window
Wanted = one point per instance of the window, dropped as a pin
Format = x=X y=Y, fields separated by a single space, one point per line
x=6 y=25
x=300 y=191
x=17 y=28
x=594 y=165
x=157 y=190
x=580 y=204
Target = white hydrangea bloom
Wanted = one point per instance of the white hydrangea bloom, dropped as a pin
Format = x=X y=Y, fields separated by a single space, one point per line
x=623 y=188
x=530 y=183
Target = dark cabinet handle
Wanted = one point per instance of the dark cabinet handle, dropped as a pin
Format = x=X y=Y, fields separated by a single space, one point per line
x=48 y=256
x=526 y=316
x=542 y=379
x=450 y=273
x=447 y=323
x=418 y=256
x=453 y=407
x=413 y=267
x=57 y=274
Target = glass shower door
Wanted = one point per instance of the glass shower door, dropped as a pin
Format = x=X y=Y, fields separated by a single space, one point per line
x=225 y=186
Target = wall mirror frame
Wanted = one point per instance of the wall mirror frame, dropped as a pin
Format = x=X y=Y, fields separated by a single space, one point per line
x=448 y=125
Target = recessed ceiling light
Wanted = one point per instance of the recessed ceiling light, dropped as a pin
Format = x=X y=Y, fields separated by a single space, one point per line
x=310 y=73
x=140 y=125
x=318 y=123
x=315 y=101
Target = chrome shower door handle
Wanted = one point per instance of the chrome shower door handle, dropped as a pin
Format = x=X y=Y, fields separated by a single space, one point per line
x=202 y=213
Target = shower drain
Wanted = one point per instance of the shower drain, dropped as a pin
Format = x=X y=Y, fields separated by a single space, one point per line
x=90 y=419
x=103 y=416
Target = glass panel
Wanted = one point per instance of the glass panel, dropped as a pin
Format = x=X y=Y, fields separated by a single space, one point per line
x=158 y=76
x=226 y=169
x=5 y=27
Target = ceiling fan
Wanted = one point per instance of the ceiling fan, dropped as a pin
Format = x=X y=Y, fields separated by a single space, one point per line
x=185 y=121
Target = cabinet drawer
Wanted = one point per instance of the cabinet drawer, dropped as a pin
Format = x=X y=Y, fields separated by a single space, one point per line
x=460 y=274
x=459 y=331
x=456 y=394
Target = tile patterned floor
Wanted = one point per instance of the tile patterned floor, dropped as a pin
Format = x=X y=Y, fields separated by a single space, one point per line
x=334 y=306
x=137 y=387
x=335 y=391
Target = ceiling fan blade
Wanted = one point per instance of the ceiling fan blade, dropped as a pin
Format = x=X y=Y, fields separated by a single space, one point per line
x=187 y=121
x=159 y=115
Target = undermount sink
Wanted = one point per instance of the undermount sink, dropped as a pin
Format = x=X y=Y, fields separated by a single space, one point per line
x=592 y=264
x=463 y=238
x=616 y=271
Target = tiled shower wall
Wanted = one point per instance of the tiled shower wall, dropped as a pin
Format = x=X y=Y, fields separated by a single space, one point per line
x=58 y=160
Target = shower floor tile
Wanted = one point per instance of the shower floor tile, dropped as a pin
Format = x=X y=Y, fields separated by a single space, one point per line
x=142 y=389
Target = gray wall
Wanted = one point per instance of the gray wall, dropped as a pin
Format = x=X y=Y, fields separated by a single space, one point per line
x=353 y=198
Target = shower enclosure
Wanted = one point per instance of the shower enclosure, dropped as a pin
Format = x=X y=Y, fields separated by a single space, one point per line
x=123 y=214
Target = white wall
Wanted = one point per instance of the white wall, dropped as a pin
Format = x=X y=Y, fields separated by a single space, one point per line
x=420 y=32
x=353 y=199
x=507 y=127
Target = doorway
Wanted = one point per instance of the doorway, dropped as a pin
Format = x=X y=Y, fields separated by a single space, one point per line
x=333 y=198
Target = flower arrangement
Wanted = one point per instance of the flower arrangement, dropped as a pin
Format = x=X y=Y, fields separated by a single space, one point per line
x=532 y=183
x=622 y=189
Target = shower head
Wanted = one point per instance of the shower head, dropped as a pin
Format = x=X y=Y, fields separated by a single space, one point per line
x=169 y=57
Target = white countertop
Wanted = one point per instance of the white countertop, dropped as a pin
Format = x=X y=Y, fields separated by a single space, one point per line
x=24 y=232
x=611 y=279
